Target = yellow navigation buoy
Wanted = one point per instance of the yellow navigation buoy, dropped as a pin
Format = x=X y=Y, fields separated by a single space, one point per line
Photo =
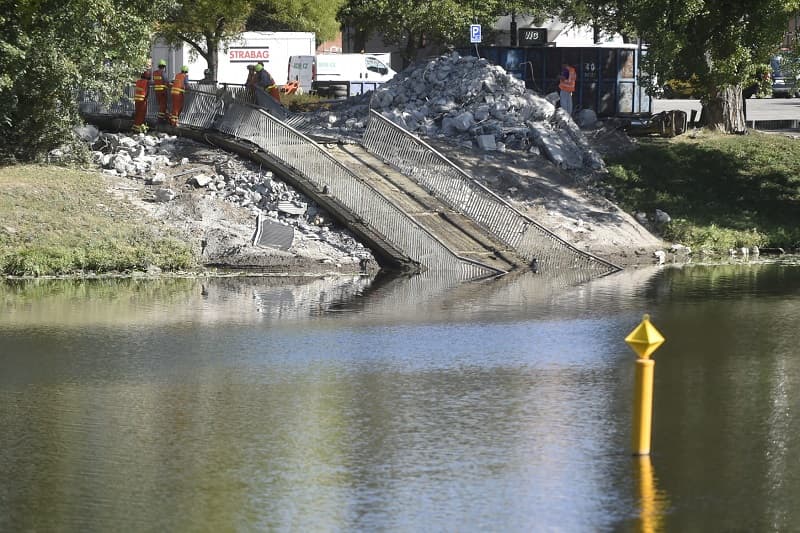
x=644 y=340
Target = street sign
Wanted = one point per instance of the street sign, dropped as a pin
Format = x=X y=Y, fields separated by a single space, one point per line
x=532 y=36
x=474 y=33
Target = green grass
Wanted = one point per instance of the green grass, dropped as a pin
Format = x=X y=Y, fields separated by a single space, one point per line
x=59 y=221
x=722 y=191
x=301 y=102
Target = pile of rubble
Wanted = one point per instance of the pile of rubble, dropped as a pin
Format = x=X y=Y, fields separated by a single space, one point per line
x=159 y=164
x=469 y=100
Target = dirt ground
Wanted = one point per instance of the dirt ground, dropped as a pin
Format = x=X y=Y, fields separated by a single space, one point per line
x=564 y=202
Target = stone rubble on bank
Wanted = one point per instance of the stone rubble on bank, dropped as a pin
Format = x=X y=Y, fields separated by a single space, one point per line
x=156 y=161
x=474 y=103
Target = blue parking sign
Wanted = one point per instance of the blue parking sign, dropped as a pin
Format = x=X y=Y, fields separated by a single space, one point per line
x=474 y=33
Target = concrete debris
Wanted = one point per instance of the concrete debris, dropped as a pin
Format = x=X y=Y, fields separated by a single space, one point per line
x=165 y=195
x=156 y=160
x=467 y=99
x=661 y=217
x=87 y=133
x=200 y=180
x=586 y=119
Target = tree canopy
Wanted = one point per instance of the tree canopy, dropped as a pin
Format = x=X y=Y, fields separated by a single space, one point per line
x=205 y=25
x=721 y=42
x=296 y=15
x=50 y=48
x=413 y=24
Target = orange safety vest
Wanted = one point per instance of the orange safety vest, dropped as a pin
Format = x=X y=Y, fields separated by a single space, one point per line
x=140 y=90
x=159 y=83
x=179 y=83
x=569 y=83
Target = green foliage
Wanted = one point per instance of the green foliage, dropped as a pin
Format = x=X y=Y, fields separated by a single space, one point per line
x=790 y=64
x=608 y=16
x=721 y=191
x=721 y=42
x=682 y=88
x=301 y=102
x=417 y=23
x=206 y=25
x=763 y=80
x=297 y=15
x=56 y=221
x=49 y=48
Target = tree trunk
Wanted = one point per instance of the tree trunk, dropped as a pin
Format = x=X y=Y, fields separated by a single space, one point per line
x=410 y=51
x=359 y=40
x=212 y=45
x=724 y=111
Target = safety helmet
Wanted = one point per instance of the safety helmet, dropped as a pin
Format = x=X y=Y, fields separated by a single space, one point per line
x=184 y=68
x=259 y=68
x=162 y=63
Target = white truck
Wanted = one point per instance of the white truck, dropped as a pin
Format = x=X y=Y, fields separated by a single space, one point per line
x=273 y=48
x=340 y=75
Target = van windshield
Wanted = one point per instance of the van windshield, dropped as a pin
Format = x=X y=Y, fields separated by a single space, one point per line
x=376 y=66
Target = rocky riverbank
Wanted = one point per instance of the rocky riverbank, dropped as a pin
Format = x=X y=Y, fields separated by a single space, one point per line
x=218 y=201
x=512 y=140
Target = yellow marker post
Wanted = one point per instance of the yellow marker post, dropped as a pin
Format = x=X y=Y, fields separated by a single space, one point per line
x=644 y=340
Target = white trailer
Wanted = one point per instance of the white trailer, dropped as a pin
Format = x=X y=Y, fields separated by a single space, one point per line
x=273 y=48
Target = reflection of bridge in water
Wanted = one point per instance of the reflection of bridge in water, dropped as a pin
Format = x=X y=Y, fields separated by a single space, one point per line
x=415 y=209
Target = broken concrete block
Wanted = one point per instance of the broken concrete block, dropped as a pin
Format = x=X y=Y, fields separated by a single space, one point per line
x=158 y=179
x=586 y=118
x=199 y=180
x=165 y=195
x=486 y=142
x=464 y=121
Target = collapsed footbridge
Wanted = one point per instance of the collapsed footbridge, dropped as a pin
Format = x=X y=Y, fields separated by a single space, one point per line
x=413 y=207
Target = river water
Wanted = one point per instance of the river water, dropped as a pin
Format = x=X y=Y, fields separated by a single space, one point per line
x=400 y=404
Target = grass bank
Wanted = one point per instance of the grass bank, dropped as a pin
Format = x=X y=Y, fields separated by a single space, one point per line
x=722 y=191
x=58 y=221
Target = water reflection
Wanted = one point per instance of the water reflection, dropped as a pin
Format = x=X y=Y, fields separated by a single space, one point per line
x=399 y=404
x=653 y=502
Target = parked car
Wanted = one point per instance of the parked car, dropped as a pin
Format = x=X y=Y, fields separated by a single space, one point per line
x=784 y=80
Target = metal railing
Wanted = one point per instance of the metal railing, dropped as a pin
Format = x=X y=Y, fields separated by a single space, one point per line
x=316 y=165
x=457 y=189
x=225 y=110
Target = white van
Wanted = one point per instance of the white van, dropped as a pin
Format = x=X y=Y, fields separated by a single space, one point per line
x=359 y=72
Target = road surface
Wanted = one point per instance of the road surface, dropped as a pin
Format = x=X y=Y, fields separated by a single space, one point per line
x=758 y=109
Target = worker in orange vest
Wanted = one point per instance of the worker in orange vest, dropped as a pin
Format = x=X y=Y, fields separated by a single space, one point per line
x=160 y=87
x=265 y=85
x=176 y=92
x=566 y=84
x=140 y=103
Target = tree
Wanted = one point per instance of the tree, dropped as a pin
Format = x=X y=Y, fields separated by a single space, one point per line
x=721 y=42
x=205 y=25
x=50 y=49
x=414 y=24
x=297 y=15
x=609 y=16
